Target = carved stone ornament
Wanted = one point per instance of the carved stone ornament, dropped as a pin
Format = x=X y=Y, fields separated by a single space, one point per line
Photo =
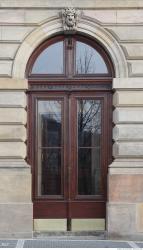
x=69 y=18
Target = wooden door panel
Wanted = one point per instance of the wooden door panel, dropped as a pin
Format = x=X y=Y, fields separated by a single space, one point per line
x=49 y=209
x=87 y=209
x=77 y=209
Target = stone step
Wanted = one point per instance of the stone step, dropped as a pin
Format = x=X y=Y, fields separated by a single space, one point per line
x=80 y=234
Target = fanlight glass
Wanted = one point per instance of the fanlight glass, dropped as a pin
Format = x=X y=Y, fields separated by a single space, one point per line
x=88 y=60
x=50 y=61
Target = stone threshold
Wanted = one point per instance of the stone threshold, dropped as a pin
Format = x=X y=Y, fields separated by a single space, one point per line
x=95 y=234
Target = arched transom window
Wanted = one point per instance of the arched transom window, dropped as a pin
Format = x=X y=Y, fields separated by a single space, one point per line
x=70 y=57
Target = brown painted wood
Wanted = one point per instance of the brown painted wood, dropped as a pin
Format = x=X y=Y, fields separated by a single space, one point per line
x=49 y=209
x=78 y=209
x=86 y=209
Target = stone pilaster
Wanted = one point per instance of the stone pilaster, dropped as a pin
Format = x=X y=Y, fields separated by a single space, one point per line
x=125 y=175
x=16 y=209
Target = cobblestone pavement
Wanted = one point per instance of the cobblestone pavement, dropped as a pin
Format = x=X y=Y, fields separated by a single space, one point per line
x=67 y=242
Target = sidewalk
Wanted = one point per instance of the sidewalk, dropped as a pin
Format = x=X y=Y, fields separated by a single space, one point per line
x=68 y=242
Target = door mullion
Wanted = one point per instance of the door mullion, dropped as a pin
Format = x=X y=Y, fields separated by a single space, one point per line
x=68 y=164
x=73 y=145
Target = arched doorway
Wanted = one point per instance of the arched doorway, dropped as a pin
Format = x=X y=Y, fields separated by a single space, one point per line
x=70 y=127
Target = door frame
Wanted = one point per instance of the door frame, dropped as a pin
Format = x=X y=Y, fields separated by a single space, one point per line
x=70 y=81
x=65 y=211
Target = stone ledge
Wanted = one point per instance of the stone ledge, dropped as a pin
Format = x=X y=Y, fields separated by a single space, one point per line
x=126 y=171
x=16 y=235
x=13 y=163
x=128 y=150
x=126 y=163
x=13 y=83
x=128 y=83
x=79 y=4
x=127 y=237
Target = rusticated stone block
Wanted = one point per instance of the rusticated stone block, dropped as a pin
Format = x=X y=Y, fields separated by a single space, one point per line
x=5 y=67
x=129 y=16
x=128 y=98
x=12 y=150
x=15 y=32
x=121 y=219
x=108 y=16
x=128 y=132
x=11 y=98
x=128 y=83
x=128 y=150
x=136 y=67
x=15 y=185
x=8 y=50
x=125 y=188
x=133 y=50
x=128 y=115
x=16 y=220
x=12 y=132
x=116 y=16
x=13 y=83
x=13 y=115
x=125 y=33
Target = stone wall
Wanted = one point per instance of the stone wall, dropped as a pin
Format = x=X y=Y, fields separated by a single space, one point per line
x=122 y=21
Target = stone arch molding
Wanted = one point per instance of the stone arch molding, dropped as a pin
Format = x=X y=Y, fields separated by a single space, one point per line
x=54 y=26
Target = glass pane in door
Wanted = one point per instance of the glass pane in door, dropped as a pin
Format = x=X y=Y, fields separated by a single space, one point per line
x=89 y=141
x=49 y=130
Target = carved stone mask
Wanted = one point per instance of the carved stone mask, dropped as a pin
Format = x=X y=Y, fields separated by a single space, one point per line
x=69 y=17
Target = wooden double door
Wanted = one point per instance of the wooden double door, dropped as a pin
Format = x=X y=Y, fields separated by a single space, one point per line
x=71 y=150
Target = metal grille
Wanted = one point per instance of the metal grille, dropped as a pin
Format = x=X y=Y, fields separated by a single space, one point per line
x=74 y=244
x=140 y=244
x=8 y=243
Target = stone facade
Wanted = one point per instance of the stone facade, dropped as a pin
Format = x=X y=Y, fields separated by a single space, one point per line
x=118 y=25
